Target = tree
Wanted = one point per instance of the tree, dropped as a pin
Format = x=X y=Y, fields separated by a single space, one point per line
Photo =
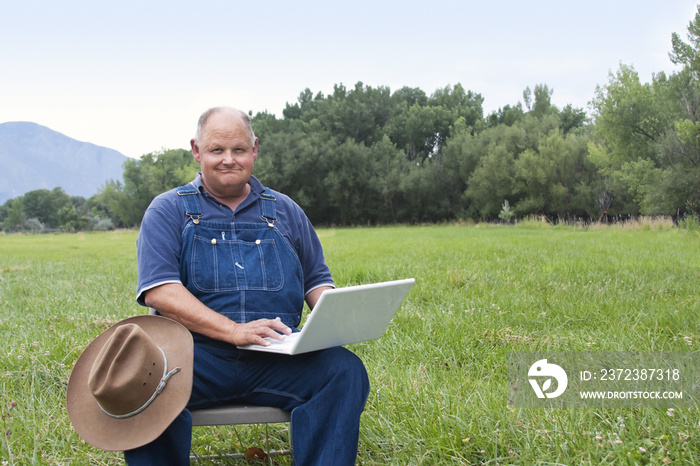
x=144 y=179
x=349 y=183
x=70 y=220
x=306 y=108
x=506 y=214
x=651 y=131
x=685 y=54
x=492 y=182
x=296 y=162
x=391 y=167
x=628 y=116
x=423 y=195
x=15 y=215
x=507 y=115
x=571 y=118
x=542 y=104
x=359 y=114
x=457 y=103
x=547 y=179
x=421 y=131
x=44 y=205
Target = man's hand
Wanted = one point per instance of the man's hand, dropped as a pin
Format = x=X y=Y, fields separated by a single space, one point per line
x=253 y=332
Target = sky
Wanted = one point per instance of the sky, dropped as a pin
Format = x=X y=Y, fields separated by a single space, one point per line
x=134 y=75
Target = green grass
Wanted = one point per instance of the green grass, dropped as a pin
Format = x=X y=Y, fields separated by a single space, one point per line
x=439 y=373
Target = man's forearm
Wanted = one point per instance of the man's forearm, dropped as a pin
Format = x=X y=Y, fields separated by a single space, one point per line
x=174 y=301
x=313 y=295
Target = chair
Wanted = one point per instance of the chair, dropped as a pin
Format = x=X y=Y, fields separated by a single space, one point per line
x=238 y=414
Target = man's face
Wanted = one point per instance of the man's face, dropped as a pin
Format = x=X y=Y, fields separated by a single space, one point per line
x=226 y=154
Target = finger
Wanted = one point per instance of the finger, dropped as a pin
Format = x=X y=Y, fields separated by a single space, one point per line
x=258 y=340
x=273 y=333
x=278 y=325
x=256 y=336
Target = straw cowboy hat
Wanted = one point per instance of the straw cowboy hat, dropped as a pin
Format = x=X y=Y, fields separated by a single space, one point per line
x=131 y=382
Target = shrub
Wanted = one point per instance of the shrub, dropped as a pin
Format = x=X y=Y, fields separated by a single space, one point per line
x=33 y=225
x=98 y=223
x=690 y=223
x=506 y=214
x=534 y=221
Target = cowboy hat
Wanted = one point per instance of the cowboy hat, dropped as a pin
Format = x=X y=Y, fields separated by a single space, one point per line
x=131 y=382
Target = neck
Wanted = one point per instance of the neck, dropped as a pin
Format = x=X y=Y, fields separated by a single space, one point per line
x=232 y=198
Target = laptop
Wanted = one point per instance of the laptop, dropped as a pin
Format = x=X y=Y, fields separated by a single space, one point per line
x=343 y=316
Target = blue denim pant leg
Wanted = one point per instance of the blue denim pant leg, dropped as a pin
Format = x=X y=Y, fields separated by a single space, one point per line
x=325 y=391
x=172 y=448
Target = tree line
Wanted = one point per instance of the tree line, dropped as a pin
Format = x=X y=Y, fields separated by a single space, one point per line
x=367 y=155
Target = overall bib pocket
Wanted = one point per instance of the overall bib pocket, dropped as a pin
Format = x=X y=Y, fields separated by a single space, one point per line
x=219 y=264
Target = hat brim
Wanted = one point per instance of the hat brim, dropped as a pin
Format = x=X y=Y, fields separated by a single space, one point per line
x=107 y=433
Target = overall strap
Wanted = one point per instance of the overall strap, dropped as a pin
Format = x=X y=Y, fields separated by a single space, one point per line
x=190 y=200
x=268 y=207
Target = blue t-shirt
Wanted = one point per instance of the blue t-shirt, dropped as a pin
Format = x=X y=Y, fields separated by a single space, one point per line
x=159 y=242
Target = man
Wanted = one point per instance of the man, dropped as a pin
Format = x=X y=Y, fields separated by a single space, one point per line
x=234 y=262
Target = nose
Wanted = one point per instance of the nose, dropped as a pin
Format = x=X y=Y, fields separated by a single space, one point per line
x=228 y=158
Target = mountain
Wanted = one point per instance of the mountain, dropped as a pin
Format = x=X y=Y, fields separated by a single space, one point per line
x=36 y=157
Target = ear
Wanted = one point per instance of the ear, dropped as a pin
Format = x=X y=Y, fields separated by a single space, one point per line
x=195 y=150
x=255 y=149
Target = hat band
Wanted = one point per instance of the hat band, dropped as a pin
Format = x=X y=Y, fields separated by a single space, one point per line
x=159 y=389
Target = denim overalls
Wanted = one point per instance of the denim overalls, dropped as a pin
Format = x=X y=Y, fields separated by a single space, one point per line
x=245 y=271
x=249 y=271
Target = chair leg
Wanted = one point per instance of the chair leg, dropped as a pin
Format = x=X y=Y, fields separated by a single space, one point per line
x=267 y=445
x=247 y=454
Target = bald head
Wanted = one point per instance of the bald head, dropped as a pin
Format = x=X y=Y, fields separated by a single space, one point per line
x=204 y=119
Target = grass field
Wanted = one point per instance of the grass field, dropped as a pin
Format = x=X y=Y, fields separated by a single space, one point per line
x=439 y=374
